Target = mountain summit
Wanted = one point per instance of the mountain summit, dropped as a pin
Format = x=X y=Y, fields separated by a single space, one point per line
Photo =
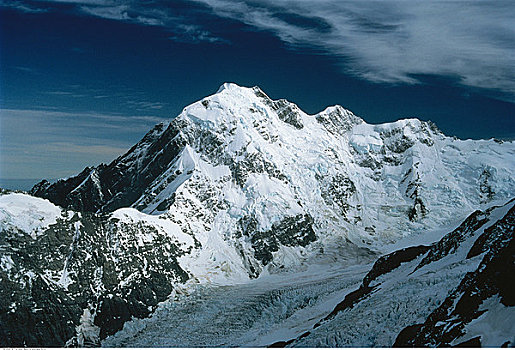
x=238 y=186
x=240 y=154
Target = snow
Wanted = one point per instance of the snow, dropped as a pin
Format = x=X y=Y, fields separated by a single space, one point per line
x=130 y=215
x=83 y=181
x=6 y=263
x=364 y=139
x=65 y=279
x=87 y=332
x=27 y=213
x=494 y=326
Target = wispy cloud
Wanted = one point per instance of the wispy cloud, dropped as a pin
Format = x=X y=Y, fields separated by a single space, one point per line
x=124 y=12
x=59 y=93
x=155 y=13
x=25 y=69
x=143 y=105
x=136 y=99
x=20 y=6
x=390 y=41
x=394 y=41
x=78 y=118
x=57 y=144
x=194 y=34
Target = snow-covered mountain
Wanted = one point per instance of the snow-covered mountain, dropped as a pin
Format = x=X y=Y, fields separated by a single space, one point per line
x=237 y=165
x=235 y=187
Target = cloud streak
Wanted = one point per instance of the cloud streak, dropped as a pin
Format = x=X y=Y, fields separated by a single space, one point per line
x=471 y=41
x=395 y=41
x=155 y=13
x=20 y=6
x=58 y=144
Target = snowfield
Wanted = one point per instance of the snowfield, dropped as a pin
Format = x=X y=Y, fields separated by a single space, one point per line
x=26 y=213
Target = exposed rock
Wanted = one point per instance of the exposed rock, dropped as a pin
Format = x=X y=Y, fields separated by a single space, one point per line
x=447 y=324
x=87 y=261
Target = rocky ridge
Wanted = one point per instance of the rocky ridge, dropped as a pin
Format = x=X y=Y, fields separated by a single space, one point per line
x=458 y=286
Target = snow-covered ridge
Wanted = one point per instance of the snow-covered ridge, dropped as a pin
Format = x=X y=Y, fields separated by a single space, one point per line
x=237 y=164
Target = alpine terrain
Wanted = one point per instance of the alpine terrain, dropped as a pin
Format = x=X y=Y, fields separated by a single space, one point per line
x=244 y=221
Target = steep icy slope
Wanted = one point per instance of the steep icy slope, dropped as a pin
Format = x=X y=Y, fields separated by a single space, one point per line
x=457 y=290
x=262 y=176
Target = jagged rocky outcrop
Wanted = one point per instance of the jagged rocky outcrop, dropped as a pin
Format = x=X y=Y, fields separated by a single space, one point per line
x=119 y=184
x=83 y=268
x=238 y=184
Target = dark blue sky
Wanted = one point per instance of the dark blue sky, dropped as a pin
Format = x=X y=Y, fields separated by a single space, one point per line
x=81 y=81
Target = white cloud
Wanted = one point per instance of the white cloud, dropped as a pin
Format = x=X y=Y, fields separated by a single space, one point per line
x=393 y=41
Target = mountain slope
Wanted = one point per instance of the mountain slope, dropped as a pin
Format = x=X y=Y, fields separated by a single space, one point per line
x=238 y=165
x=459 y=287
x=77 y=277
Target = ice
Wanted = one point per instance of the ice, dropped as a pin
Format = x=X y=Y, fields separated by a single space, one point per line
x=252 y=314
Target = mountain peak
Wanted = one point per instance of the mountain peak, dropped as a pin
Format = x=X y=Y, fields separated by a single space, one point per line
x=267 y=158
x=239 y=186
x=228 y=86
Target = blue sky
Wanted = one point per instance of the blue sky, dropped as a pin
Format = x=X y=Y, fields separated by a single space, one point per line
x=81 y=81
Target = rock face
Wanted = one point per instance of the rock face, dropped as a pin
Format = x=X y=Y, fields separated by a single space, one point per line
x=106 y=188
x=236 y=185
x=483 y=296
x=80 y=278
x=460 y=285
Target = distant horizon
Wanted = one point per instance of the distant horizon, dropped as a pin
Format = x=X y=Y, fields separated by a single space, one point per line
x=20 y=184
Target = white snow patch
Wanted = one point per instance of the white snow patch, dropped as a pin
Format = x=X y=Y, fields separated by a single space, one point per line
x=26 y=213
x=131 y=215
x=495 y=326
